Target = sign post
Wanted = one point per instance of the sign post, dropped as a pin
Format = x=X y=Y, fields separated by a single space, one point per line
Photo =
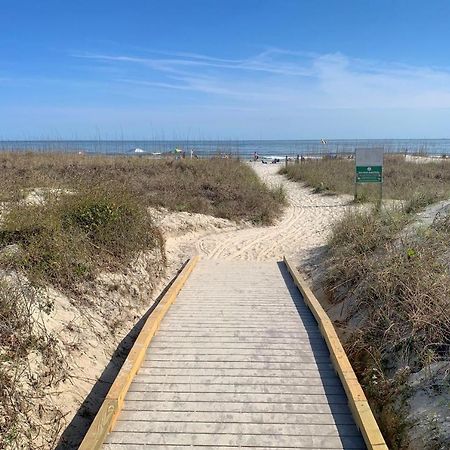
x=369 y=168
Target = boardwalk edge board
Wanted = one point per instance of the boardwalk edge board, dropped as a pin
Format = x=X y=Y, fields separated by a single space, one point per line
x=109 y=411
x=358 y=403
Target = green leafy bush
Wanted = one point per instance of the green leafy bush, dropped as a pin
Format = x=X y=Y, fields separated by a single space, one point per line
x=70 y=237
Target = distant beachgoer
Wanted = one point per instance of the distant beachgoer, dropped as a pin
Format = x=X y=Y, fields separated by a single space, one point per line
x=255 y=156
x=192 y=153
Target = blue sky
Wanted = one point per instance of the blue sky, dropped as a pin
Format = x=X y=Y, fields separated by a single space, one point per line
x=226 y=69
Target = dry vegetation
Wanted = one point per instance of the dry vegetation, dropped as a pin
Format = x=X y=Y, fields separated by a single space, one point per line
x=398 y=287
x=219 y=187
x=417 y=183
x=393 y=282
x=64 y=220
x=31 y=365
x=69 y=237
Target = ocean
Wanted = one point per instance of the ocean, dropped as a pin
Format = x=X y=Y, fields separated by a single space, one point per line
x=243 y=149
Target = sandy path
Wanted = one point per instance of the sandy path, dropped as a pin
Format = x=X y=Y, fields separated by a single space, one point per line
x=300 y=232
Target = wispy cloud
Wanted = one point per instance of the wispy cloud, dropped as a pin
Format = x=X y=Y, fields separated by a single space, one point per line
x=294 y=78
x=174 y=62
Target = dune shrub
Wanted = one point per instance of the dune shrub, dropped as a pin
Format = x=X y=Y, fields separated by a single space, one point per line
x=220 y=187
x=71 y=236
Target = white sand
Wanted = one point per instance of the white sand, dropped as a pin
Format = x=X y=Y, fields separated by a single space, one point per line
x=299 y=233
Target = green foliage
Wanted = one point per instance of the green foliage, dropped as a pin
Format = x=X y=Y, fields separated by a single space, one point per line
x=419 y=200
x=399 y=280
x=362 y=232
x=323 y=175
x=92 y=217
x=71 y=236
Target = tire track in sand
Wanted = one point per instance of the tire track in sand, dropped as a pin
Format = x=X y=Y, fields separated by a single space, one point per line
x=302 y=228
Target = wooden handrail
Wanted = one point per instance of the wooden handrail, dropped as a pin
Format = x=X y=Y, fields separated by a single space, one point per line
x=110 y=409
x=359 y=406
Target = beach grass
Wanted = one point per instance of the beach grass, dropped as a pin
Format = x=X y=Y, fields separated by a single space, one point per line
x=69 y=216
x=70 y=236
x=24 y=341
x=397 y=285
x=416 y=183
x=219 y=187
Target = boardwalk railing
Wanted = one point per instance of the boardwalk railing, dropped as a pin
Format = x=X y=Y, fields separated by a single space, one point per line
x=359 y=406
x=112 y=405
x=110 y=409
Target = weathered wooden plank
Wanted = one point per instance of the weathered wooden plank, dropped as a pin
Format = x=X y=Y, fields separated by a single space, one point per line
x=225 y=372
x=228 y=358
x=238 y=417
x=227 y=427
x=184 y=447
x=141 y=385
x=256 y=365
x=223 y=397
x=238 y=407
x=260 y=380
x=248 y=440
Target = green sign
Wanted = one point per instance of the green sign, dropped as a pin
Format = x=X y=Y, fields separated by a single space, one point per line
x=369 y=174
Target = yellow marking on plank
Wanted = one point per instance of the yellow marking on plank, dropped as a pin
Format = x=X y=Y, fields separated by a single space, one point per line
x=109 y=411
x=358 y=403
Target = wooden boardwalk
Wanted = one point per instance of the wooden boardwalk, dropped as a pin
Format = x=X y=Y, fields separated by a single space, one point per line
x=238 y=362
